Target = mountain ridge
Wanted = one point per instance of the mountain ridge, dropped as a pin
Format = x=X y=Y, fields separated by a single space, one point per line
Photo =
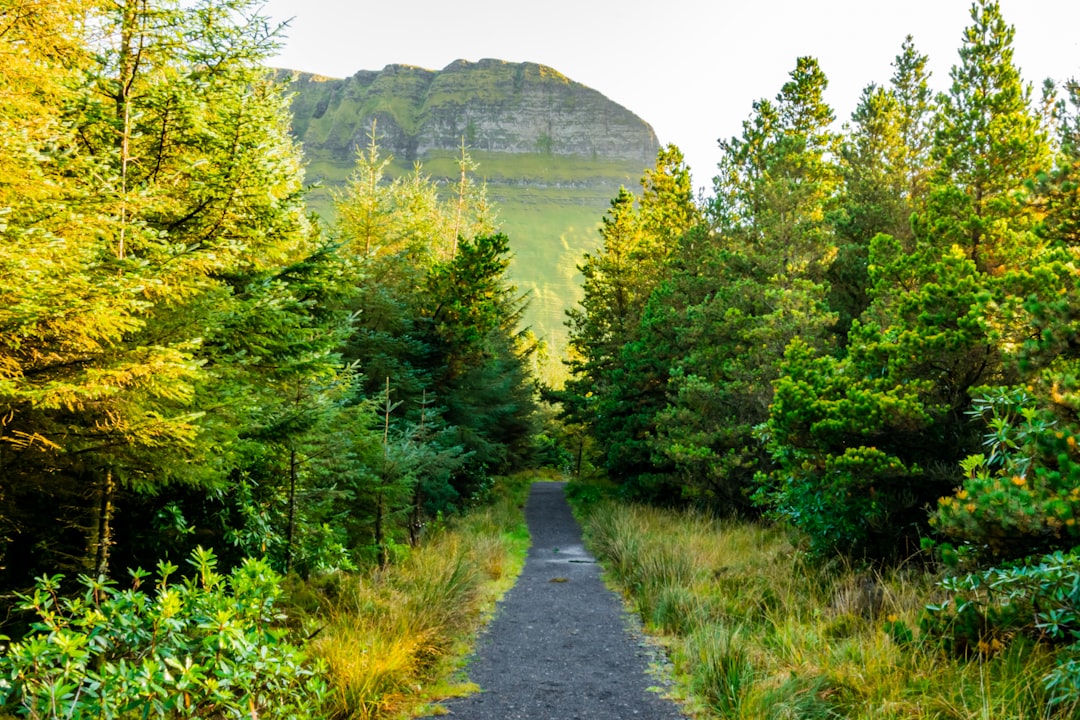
x=494 y=105
x=552 y=152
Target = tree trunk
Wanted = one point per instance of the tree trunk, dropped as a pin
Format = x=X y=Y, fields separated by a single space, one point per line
x=99 y=533
x=291 y=528
x=129 y=61
x=414 y=517
x=380 y=547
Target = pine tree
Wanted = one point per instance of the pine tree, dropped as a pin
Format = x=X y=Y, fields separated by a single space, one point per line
x=618 y=383
x=885 y=166
x=759 y=277
x=989 y=143
x=945 y=318
x=1017 y=493
x=436 y=316
x=484 y=378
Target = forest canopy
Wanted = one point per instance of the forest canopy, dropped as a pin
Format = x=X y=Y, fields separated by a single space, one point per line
x=186 y=358
x=866 y=332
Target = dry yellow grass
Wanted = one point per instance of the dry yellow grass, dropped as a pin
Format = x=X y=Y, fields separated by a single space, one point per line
x=392 y=639
x=757 y=632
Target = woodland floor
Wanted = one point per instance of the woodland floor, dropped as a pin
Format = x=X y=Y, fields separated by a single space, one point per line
x=561 y=645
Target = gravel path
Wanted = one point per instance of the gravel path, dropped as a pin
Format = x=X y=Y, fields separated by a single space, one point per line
x=561 y=645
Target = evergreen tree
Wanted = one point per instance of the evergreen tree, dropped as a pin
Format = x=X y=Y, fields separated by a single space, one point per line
x=945 y=318
x=618 y=382
x=436 y=318
x=989 y=143
x=1018 y=494
x=885 y=165
x=762 y=287
x=483 y=378
x=176 y=196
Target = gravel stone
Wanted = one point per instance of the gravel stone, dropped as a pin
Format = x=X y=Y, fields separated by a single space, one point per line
x=561 y=645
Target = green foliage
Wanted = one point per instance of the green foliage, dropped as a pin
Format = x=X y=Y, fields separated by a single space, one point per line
x=207 y=646
x=988 y=144
x=886 y=165
x=584 y=495
x=435 y=328
x=1022 y=495
x=618 y=375
x=846 y=471
x=165 y=257
x=1041 y=599
x=469 y=299
x=864 y=442
x=741 y=292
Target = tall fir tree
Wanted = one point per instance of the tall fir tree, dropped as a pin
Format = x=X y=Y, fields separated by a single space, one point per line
x=179 y=196
x=437 y=318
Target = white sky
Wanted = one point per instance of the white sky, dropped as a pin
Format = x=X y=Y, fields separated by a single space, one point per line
x=691 y=68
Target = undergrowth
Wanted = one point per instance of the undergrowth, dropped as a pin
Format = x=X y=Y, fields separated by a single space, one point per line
x=394 y=639
x=249 y=644
x=755 y=631
x=206 y=646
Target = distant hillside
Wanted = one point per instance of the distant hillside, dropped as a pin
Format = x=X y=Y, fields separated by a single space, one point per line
x=553 y=152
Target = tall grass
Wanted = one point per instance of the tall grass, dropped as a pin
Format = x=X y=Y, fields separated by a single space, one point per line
x=754 y=631
x=394 y=638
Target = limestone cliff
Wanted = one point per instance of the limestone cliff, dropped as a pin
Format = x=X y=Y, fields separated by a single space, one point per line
x=493 y=105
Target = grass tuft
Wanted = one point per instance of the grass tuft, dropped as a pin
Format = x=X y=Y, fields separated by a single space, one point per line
x=756 y=631
x=395 y=638
x=720 y=670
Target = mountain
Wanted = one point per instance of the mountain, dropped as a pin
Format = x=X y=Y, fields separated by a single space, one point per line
x=553 y=152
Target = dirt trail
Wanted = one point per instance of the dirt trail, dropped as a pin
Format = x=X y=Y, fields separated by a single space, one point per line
x=561 y=645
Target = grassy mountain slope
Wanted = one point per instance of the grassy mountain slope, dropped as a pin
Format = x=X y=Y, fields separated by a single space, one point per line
x=553 y=153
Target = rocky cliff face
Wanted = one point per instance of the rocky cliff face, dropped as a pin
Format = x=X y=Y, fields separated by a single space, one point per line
x=493 y=105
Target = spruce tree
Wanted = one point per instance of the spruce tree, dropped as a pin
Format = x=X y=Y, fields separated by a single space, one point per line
x=178 y=196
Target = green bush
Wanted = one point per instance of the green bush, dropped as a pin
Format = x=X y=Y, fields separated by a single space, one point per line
x=584 y=495
x=207 y=646
x=1039 y=599
x=841 y=436
x=1022 y=496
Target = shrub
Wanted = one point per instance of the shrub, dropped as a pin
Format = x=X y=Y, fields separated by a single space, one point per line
x=584 y=495
x=208 y=646
x=841 y=437
x=1023 y=495
x=1039 y=599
